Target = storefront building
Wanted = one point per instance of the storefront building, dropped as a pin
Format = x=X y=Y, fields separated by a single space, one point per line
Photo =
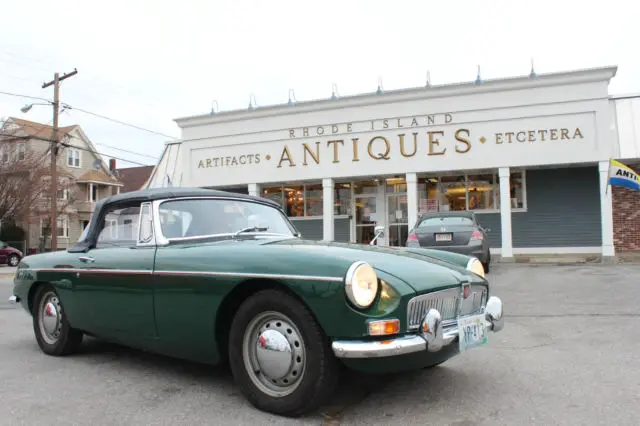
x=529 y=155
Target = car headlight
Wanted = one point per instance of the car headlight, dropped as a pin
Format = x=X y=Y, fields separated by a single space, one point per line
x=361 y=284
x=475 y=266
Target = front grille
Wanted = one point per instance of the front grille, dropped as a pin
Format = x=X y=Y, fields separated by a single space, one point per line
x=448 y=302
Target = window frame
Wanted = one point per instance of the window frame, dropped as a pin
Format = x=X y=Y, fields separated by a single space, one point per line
x=73 y=157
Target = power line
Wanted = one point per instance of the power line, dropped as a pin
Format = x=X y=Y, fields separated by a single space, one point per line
x=25 y=96
x=124 y=150
x=120 y=122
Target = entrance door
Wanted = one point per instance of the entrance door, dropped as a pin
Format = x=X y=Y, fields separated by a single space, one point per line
x=397 y=219
x=366 y=219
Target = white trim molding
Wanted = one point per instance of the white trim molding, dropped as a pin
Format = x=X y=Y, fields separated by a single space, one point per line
x=505 y=211
x=606 y=211
x=328 y=196
x=550 y=250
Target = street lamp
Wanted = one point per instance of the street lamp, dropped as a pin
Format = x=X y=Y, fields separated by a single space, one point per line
x=25 y=109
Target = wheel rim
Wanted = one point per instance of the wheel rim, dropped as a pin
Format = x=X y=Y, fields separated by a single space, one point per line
x=274 y=354
x=50 y=318
x=13 y=261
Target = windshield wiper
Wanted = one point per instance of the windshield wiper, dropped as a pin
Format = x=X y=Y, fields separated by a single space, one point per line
x=251 y=229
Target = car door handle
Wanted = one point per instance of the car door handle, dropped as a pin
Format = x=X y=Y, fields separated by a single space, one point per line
x=86 y=259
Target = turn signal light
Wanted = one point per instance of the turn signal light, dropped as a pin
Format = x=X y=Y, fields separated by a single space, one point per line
x=384 y=327
x=476 y=235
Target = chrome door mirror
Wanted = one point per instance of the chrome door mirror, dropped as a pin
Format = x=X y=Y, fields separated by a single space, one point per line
x=379 y=232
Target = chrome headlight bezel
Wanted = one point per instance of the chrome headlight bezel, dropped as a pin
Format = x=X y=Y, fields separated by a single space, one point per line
x=356 y=294
x=476 y=267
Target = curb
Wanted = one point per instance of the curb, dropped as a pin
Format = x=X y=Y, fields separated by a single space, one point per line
x=7 y=275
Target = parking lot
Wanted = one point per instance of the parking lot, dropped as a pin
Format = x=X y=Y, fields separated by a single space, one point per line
x=569 y=354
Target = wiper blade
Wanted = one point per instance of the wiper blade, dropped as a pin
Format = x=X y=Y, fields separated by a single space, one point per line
x=251 y=229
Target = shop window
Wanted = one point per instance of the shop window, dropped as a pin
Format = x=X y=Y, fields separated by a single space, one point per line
x=274 y=194
x=427 y=195
x=517 y=183
x=365 y=187
x=313 y=200
x=482 y=192
x=452 y=194
x=342 y=199
x=294 y=201
x=396 y=184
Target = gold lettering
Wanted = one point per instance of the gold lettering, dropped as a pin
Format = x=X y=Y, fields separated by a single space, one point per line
x=316 y=156
x=554 y=134
x=305 y=132
x=577 y=133
x=523 y=137
x=215 y=161
x=200 y=164
x=334 y=128
x=335 y=149
x=509 y=134
x=234 y=161
x=463 y=140
x=385 y=124
x=499 y=138
x=436 y=142
x=380 y=156
x=250 y=157
x=372 y=125
x=414 y=122
x=542 y=134
x=447 y=118
x=287 y=153
x=355 y=149
x=431 y=119
x=320 y=130
x=349 y=128
x=564 y=133
x=257 y=157
x=399 y=124
x=415 y=145
x=209 y=162
x=292 y=133
x=532 y=135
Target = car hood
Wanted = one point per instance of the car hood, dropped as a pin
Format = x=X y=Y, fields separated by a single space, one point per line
x=417 y=269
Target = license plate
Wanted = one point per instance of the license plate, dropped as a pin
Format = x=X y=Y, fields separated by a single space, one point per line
x=443 y=237
x=472 y=332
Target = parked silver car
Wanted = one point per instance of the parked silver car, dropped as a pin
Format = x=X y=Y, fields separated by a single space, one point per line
x=457 y=231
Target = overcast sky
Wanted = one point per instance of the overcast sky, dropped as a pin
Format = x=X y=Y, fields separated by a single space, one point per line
x=148 y=62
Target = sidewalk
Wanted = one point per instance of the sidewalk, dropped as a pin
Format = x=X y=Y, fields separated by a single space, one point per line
x=7 y=271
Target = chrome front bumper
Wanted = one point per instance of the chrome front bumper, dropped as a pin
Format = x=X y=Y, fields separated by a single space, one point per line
x=432 y=338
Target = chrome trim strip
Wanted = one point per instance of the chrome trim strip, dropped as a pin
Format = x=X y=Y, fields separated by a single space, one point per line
x=252 y=275
x=193 y=273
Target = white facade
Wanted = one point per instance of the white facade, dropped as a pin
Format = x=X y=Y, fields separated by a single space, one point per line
x=553 y=120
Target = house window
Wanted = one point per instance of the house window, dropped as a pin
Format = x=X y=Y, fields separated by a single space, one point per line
x=63 y=194
x=4 y=154
x=22 y=149
x=92 y=194
x=73 y=158
x=62 y=229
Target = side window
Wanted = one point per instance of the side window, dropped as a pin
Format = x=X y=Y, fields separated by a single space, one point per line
x=119 y=228
x=145 y=235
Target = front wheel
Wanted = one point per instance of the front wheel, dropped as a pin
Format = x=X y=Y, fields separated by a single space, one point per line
x=54 y=334
x=14 y=260
x=279 y=356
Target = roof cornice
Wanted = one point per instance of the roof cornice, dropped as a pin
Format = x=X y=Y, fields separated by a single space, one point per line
x=601 y=74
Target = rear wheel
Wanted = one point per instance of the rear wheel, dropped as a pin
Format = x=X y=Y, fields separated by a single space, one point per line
x=53 y=333
x=14 y=260
x=279 y=356
x=487 y=263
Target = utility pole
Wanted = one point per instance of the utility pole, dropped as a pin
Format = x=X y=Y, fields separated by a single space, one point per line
x=54 y=154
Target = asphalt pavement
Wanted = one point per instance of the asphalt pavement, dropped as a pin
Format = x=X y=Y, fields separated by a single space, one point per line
x=569 y=355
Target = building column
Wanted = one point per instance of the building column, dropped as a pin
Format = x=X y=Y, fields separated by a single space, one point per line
x=254 y=189
x=412 y=199
x=606 y=212
x=327 y=210
x=506 y=251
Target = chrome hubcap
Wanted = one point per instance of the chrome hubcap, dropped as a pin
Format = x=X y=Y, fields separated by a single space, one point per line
x=50 y=318
x=13 y=261
x=274 y=354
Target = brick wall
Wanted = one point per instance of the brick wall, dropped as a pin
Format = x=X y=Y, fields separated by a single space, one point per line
x=626 y=218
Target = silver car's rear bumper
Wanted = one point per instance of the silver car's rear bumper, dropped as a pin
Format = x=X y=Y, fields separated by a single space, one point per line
x=432 y=341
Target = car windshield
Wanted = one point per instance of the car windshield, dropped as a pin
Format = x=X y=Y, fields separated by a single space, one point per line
x=204 y=217
x=445 y=220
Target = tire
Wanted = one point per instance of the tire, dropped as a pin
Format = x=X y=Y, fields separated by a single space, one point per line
x=487 y=263
x=53 y=333
x=306 y=374
x=13 y=260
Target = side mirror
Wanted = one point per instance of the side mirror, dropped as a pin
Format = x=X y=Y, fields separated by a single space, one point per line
x=298 y=234
x=379 y=232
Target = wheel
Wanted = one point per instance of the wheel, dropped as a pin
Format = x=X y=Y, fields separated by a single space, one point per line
x=14 y=260
x=53 y=333
x=279 y=356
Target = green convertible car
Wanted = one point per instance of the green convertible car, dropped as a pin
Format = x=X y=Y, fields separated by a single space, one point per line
x=213 y=277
